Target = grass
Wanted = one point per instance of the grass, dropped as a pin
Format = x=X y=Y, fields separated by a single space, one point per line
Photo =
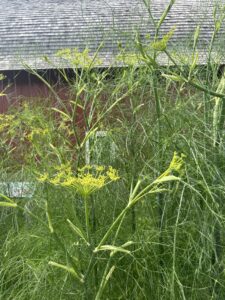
x=144 y=236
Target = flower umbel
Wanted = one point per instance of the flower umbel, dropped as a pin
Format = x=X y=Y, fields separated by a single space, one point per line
x=87 y=180
x=176 y=165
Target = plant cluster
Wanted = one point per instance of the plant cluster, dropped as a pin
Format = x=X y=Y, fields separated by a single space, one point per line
x=146 y=224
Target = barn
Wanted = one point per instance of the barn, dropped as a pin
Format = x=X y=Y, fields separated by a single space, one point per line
x=32 y=32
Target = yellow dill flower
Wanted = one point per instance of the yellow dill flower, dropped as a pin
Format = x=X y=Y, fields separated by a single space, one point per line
x=85 y=168
x=37 y=133
x=87 y=184
x=79 y=58
x=100 y=168
x=55 y=180
x=43 y=177
x=63 y=167
x=176 y=165
x=6 y=121
x=177 y=162
x=87 y=180
x=112 y=174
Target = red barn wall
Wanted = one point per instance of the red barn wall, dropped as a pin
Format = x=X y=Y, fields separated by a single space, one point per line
x=19 y=86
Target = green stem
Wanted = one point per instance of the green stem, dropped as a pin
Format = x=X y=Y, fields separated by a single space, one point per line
x=86 y=207
x=175 y=245
x=132 y=201
x=93 y=225
x=192 y=83
x=206 y=98
x=90 y=232
x=121 y=215
x=103 y=281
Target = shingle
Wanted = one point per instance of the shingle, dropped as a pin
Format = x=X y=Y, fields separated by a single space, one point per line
x=32 y=29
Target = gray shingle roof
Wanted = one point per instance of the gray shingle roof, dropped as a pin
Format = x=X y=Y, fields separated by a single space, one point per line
x=31 y=29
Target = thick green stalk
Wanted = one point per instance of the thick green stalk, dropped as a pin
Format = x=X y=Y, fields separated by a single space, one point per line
x=164 y=15
x=90 y=231
x=158 y=113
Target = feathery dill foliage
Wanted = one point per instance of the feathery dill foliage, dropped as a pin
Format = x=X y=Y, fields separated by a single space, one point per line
x=149 y=223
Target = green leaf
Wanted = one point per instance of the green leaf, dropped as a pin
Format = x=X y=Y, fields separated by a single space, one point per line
x=6 y=198
x=155 y=191
x=166 y=179
x=137 y=108
x=104 y=282
x=62 y=113
x=129 y=243
x=218 y=25
x=112 y=248
x=161 y=45
x=8 y=204
x=109 y=274
x=80 y=90
x=194 y=62
x=49 y=218
x=2 y=77
x=77 y=231
x=67 y=269
x=196 y=36
x=165 y=13
x=88 y=135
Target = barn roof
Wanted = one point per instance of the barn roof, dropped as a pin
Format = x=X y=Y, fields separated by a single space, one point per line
x=32 y=29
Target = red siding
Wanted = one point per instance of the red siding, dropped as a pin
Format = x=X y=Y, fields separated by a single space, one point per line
x=22 y=91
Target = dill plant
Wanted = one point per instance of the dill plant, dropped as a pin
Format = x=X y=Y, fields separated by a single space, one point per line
x=127 y=260
x=85 y=184
x=172 y=249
